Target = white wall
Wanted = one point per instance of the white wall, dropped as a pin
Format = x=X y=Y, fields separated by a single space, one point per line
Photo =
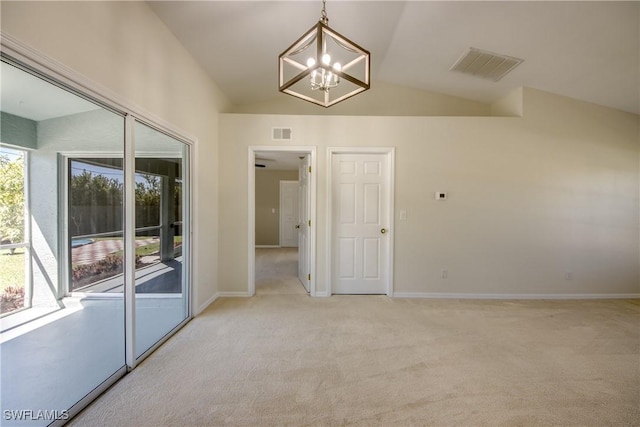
x=530 y=198
x=124 y=47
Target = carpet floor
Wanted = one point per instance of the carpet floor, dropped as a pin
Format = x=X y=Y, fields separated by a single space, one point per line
x=282 y=358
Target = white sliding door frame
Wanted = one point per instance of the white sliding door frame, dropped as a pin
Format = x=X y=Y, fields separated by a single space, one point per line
x=390 y=152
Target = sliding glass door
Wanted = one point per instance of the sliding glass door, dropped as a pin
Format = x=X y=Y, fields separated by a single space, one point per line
x=162 y=235
x=94 y=251
x=56 y=346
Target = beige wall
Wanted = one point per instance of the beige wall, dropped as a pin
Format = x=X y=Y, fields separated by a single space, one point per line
x=268 y=198
x=125 y=48
x=530 y=198
x=383 y=99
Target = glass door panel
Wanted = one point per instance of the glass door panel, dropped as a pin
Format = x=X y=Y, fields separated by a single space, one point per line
x=61 y=346
x=162 y=258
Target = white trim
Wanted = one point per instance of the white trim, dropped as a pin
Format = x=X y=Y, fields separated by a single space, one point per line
x=251 y=223
x=129 y=235
x=63 y=157
x=64 y=271
x=234 y=295
x=268 y=246
x=391 y=158
x=187 y=230
x=251 y=256
x=438 y=295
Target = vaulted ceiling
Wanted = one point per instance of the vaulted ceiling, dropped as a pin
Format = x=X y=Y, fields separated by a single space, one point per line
x=585 y=50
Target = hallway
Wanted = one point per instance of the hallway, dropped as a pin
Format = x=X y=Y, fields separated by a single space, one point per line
x=277 y=271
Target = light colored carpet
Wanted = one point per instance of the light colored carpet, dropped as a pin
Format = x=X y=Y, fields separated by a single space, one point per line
x=283 y=358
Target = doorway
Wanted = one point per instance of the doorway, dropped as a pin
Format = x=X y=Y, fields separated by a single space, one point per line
x=301 y=159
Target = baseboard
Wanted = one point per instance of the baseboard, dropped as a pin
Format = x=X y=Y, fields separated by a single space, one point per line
x=323 y=294
x=437 y=295
x=267 y=246
x=207 y=303
x=233 y=294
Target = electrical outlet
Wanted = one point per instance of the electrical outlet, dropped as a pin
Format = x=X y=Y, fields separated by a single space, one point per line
x=444 y=274
x=568 y=275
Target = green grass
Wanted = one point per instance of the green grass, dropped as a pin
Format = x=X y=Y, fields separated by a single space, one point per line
x=153 y=248
x=12 y=269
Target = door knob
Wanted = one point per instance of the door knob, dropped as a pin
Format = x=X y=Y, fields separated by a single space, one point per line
x=383 y=230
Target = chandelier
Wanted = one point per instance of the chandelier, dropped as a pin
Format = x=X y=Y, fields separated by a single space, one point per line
x=323 y=66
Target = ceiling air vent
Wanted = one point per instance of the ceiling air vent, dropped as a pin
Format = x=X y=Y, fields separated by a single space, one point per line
x=281 y=134
x=485 y=64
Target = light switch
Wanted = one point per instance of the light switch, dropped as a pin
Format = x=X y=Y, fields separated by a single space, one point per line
x=273 y=210
x=403 y=215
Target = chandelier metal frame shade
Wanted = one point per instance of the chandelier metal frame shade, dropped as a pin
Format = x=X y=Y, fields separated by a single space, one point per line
x=323 y=66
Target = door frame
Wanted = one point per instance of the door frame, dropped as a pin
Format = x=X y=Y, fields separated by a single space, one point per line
x=251 y=255
x=391 y=159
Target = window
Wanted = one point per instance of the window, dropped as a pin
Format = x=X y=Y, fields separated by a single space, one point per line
x=95 y=217
x=15 y=261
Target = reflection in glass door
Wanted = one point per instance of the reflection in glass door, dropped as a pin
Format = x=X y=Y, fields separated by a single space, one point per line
x=94 y=250
x=58 y=347
x=161 y=236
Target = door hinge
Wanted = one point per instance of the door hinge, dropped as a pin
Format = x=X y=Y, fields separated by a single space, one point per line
x=309 y=223
x=308 y=277
x=309 y=169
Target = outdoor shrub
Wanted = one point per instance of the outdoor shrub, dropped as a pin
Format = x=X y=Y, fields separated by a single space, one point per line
x=83 y=274
x=12 y=298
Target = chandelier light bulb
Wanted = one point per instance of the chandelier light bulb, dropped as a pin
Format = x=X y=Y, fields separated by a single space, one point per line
x=308 y=58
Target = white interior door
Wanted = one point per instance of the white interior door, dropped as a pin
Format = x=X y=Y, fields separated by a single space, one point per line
x=288 y=214
x=360 y=223
x=304 y=200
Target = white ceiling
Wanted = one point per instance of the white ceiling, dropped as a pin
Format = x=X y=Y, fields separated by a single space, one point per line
x=585 y=50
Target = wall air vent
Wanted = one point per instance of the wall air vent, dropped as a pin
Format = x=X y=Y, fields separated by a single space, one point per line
x=281 y=134
x=485 y=64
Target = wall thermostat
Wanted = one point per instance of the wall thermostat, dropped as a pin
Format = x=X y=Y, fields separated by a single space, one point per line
x=441 y=195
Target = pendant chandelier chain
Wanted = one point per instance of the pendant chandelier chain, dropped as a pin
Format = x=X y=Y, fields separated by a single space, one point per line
x=323 y=15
